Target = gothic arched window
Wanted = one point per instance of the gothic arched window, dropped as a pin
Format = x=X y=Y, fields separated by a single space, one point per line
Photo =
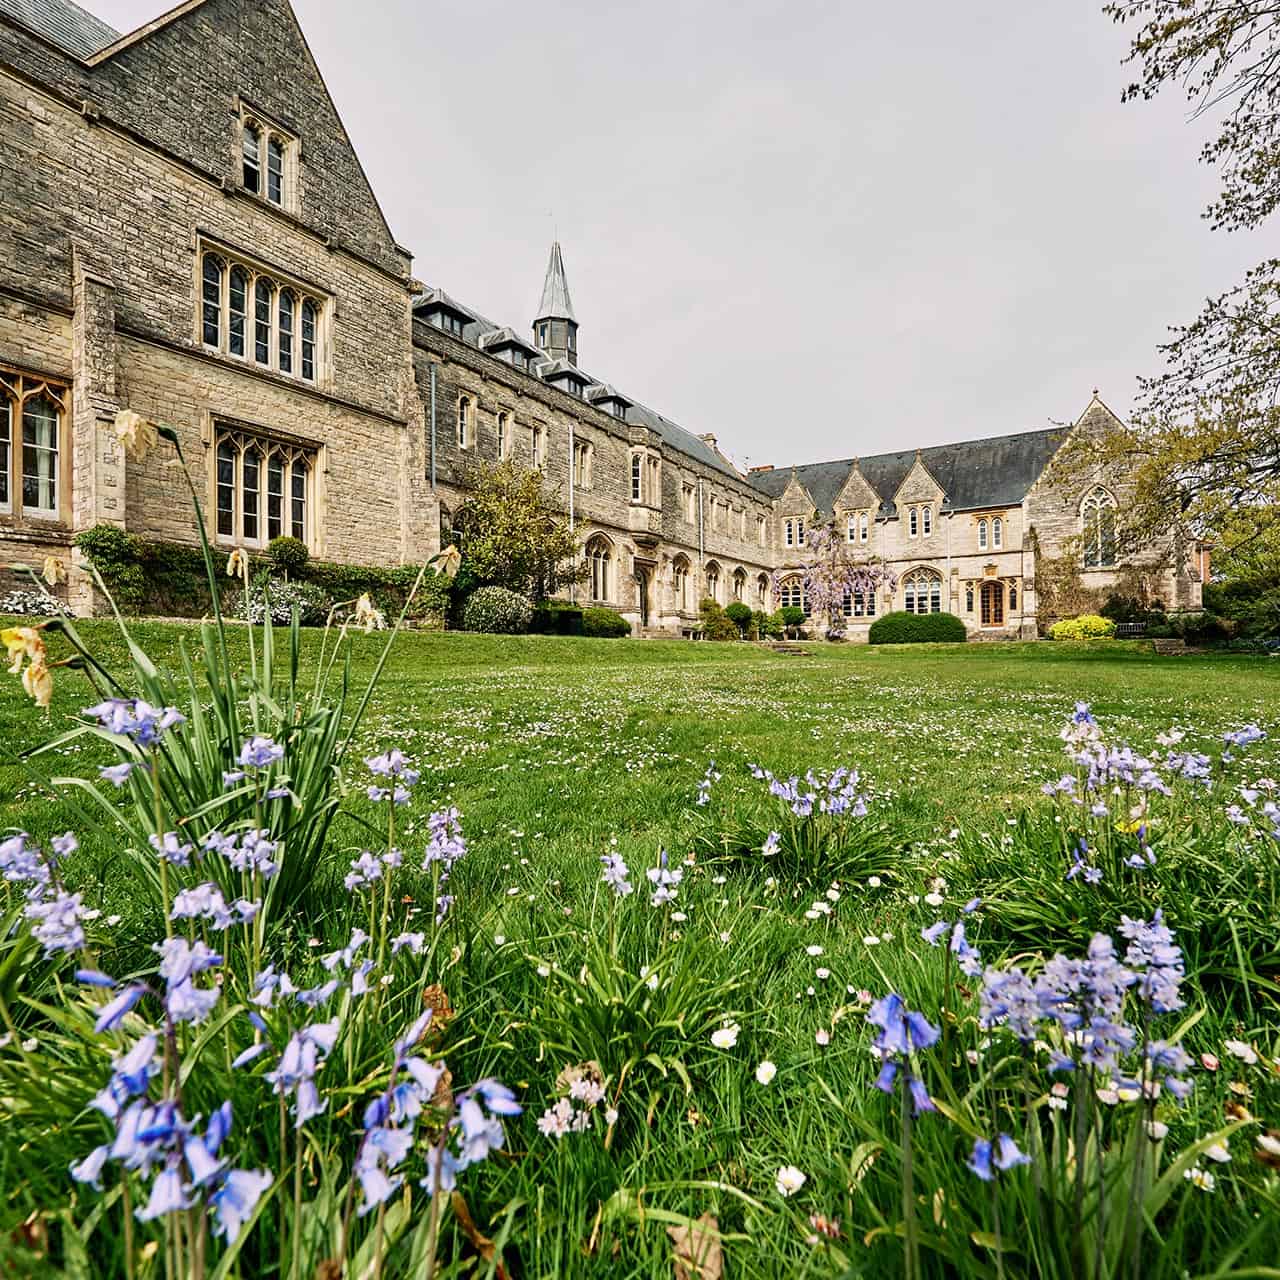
x=1098 y=526
x=600 y=562
x=922 y=591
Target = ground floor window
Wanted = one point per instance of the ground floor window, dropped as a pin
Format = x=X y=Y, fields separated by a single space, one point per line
x=32 y=428
x=600 y=567
x=680 y=585
x=792 y=595
x=922 y=592
x=265 y=489
x=859 y=604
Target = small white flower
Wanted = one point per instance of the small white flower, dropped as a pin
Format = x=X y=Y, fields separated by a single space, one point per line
x=30 y=1046
x=1157 y=1129
x=499 y=939
x=1269 y=1144
x=765 y=1072
x=789 y=1180
x=871 y=940
x=544 y=971
x=1239 y=1049
x=813 y=949
x=874 y=882
x=934 y=899
x=1200 y=1178
x=833 y=895
x=725 y=936
x=679 y=917
x=611 y=1116
x=727 y=1036
x=1218 y=1153
x=822 y=973
x=822 y=1036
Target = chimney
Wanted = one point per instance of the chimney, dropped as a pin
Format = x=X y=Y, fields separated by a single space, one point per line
x=756 y=470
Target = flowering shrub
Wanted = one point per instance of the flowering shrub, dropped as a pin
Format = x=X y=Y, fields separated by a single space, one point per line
x=1088 y=626
x=281 y=598
x=26 y=603
x=496 y=609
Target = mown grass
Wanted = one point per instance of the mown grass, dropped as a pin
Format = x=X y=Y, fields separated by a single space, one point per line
x=558 y=751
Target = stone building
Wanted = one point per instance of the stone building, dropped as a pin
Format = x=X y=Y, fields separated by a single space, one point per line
x=186 y=231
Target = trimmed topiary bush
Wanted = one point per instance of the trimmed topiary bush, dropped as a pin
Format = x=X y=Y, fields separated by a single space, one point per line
x=917 y=628
x=605 y=624
x=1088 y=626
x=740 y=615
x=288 y=556
x=497 y=611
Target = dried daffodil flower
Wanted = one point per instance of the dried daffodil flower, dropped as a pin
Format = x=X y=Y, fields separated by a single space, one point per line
x=135 y=433
x=37 y=681
x=27 y=644
x=367 y=616
x=237 y=563
x=449 y=561
x=55 y=570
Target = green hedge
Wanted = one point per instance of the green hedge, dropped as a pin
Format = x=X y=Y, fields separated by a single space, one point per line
x=557 y=618
x=605 y=624
x=917 y=628
x=168 y=578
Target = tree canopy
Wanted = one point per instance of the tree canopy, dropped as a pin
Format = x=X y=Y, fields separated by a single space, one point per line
x=511 y=535
x=1203 y=447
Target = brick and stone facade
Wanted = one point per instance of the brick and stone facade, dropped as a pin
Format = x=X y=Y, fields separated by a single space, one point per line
x=187 y=232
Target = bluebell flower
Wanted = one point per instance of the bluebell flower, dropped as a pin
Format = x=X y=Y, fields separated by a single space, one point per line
x=920 y=1100
x=246 y=1056
x=1007 y=1154
x=55 y=923
x=171 y=848
x=980 y=1159
x=95 y=978
x=167 y=1195
x=934 y=933
x=259 y=752
x=615 y=874
x=116 y=774
x=235 y=1200
x=112 y=1014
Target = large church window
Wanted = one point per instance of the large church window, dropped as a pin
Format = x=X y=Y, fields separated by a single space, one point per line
x=1098 y=526
x=922 y=591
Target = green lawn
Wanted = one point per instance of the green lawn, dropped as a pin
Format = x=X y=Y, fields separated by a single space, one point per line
x=557 y=751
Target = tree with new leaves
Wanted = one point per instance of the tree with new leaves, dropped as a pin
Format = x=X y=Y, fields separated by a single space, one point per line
x=831 y=574
x=1203 y=447
x=511 y=535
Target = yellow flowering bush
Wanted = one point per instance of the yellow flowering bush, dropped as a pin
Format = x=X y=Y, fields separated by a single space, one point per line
x=1088 y=626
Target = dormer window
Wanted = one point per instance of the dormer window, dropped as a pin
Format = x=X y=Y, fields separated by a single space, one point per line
x=793 y=532
x=518 y=357
x=266 y=156
x=449 y=322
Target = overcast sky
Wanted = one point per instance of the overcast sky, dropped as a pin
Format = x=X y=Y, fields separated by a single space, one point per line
x=814 y=229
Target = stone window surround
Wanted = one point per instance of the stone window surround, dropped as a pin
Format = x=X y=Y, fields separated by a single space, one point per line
x=584 y=463
x=249 y=116
x=645 y=482
x=598 y=552
x=17 y=386
x=793 y=531
x=990 y=530
x=281 y=281
x=218 y=425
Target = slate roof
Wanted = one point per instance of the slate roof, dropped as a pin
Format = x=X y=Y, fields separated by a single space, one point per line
x=556 y=303
x=63 y=23
x=995 y=472
x=637 y=414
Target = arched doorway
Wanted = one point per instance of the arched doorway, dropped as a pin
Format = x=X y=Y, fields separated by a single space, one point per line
x=991 y=602
x=642 y=590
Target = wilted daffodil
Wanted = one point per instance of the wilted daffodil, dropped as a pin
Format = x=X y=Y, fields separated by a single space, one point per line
x=237 y=564
x=26 y=644
x=367 y=616
x=449 y=561
x=54 y=571
x=135 y=433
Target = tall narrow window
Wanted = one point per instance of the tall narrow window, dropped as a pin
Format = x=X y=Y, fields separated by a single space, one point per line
x=968 y=598
x=982 y=535
x=298 y=503
x=227 y=458
x=535 y=446
x=464 y=412
x=40 y=455
x=1013 y=597
x=762 y=530
x=275 y=171
x=250 y=492
x=914 y=522
x=1098 y=520
x=309 y=340
x=926 y=519
x=997 y=533
x=275 y=496
x=713 y=583
x=863 y=523
x=262 y=298
x=653 y=485
x=211 y=300
x=600 y=562
x=237 y=299
x=251 y=145
x=503 y=426
x=680 y=584
x=6 y=450
x=637 y=478
x=286 y=331
x=851 y=529
x=800 y=533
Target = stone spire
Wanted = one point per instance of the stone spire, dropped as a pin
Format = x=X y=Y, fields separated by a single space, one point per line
x=555 y=327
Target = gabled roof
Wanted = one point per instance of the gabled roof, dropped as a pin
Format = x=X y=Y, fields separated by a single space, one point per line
x=555 y=304
x=637 y=415
x=561 y=371
x=73 y=29
x=994 y=472
x=438 y=300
